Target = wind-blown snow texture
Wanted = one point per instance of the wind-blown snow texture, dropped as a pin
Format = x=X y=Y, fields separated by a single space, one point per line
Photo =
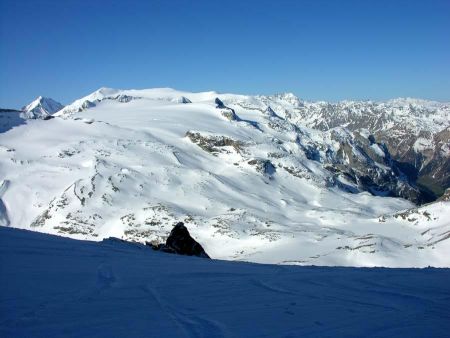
x=59 y=287
x=248 y=182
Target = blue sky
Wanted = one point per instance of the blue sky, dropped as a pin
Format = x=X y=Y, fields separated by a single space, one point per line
x=319 y=50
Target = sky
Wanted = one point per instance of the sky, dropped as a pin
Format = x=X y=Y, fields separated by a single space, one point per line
x=318 y=50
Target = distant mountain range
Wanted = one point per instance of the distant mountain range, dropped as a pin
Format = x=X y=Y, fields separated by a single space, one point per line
x=260 y=178
x=415 y=132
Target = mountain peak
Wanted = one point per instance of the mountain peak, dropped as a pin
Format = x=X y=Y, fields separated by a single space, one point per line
x=41 y=107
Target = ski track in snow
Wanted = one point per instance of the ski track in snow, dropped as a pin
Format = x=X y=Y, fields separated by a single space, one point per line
x=58 y=287
x=4 y=219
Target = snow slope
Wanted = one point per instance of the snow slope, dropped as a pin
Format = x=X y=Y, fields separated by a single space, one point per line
x=59 y=287
x=10 y=118
x=249 y=184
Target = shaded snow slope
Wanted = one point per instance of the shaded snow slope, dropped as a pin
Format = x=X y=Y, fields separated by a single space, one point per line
x=249 y=184
x=58 y=287
x=10 y=118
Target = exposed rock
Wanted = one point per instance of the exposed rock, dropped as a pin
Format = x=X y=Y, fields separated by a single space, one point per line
x=433 y=163
x=86 y=104
x=214 y=144
x=227 y=112
x=230 y=115
x=269 y=111
x=445 y=197
x=124 y=98
x=263 y=166
x=183 y=99
x=180 y=242
x=219 y=103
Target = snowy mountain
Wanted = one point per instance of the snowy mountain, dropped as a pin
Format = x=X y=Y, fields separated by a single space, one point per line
x=416 y=132
x=248 y=176
x=41 y=108
x=59 y=287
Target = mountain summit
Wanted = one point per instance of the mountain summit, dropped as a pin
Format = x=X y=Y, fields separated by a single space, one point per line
x=41 y=108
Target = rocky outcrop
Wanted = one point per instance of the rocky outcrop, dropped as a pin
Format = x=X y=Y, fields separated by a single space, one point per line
x=445 y=197
x=180 y=242
x=263 y=166
x=183 y=99
x=214 y=144
x=86 y=105
x=227 y=112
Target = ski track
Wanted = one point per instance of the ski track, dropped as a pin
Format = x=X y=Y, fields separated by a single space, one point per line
x=53 y=286
x=4 y=219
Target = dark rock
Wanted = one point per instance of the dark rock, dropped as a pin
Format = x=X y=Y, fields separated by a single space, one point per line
x=227 y=112
x=86 y=104
x=184 y=99
x=123 y=98
x=445 y=197
x=214 y=143
x=263 y=166
x=269 y=111
x=180 y=242
x=219 y=103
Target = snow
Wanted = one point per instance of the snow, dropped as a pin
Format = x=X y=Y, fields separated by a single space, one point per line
x=422 y=144
x=123 y=166
x=4 y=221
x=376 y=148
x=41 y=107
x=59 y=287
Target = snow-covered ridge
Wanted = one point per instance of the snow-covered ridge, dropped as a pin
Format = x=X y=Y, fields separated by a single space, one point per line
x=285 y=101
x=155 y=94
x=404 y=125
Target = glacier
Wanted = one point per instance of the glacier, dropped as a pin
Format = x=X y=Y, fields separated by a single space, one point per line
x=250 y=178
